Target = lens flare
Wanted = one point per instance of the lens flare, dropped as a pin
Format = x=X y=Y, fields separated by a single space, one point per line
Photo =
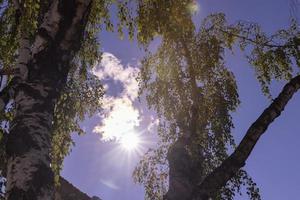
x=130 y=141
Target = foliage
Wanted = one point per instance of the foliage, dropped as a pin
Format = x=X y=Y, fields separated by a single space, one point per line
x=161 y=18
x=167 y=84
x=8 y=42
x=79 y=99
x=83 y=92
x=187 y=83
x=274 y=57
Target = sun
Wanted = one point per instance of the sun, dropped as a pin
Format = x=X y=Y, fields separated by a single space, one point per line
x=130 y=141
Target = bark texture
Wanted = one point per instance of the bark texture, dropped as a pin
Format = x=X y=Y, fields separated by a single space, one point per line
x=42 y=74
x=218 y=178
x=180 y=172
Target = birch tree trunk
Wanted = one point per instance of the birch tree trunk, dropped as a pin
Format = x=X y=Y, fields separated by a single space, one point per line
x=181 y=173
x=29 y=173
x=208 y=188
x=36 y=89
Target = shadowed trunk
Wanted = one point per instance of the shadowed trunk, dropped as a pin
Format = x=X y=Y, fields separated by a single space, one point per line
x=184 y=171
x=42 y=75
x=29 y=174
x=181 y=174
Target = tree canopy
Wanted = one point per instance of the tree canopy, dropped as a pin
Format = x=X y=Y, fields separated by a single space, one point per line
x=187 y=83
x=48 y=50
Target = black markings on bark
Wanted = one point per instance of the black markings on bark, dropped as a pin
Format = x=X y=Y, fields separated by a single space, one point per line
x=47 y=69
x=44 y=34
x=44 y=6
x=41 y=179
x=19 y=143
x=18 y=194
x=67 y=9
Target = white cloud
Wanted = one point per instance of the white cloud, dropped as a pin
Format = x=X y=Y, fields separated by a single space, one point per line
x=119 y=116
x=111 y=68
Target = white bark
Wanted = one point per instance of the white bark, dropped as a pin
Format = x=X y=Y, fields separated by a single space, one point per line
x=29 y=141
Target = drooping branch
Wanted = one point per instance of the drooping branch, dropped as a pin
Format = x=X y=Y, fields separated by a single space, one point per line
x=20 y=70
x=218 y=178
x=228 y=31
x=255 y=42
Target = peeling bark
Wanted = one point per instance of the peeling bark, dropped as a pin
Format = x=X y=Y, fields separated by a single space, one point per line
x=218 y=178
x=44 y=67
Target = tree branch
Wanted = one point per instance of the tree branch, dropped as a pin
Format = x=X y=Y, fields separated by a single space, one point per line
x=218 y=178
x=253 y=41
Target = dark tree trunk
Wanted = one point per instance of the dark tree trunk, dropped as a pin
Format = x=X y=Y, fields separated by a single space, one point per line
x=184 y=171
x=43 y=68
x=29 y=173
x=181 y=174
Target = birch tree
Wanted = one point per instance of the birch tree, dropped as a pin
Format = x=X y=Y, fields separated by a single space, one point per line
x=46 y=50
x=188 y=84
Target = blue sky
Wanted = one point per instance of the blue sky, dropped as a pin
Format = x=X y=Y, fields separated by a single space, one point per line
x=103 y=169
